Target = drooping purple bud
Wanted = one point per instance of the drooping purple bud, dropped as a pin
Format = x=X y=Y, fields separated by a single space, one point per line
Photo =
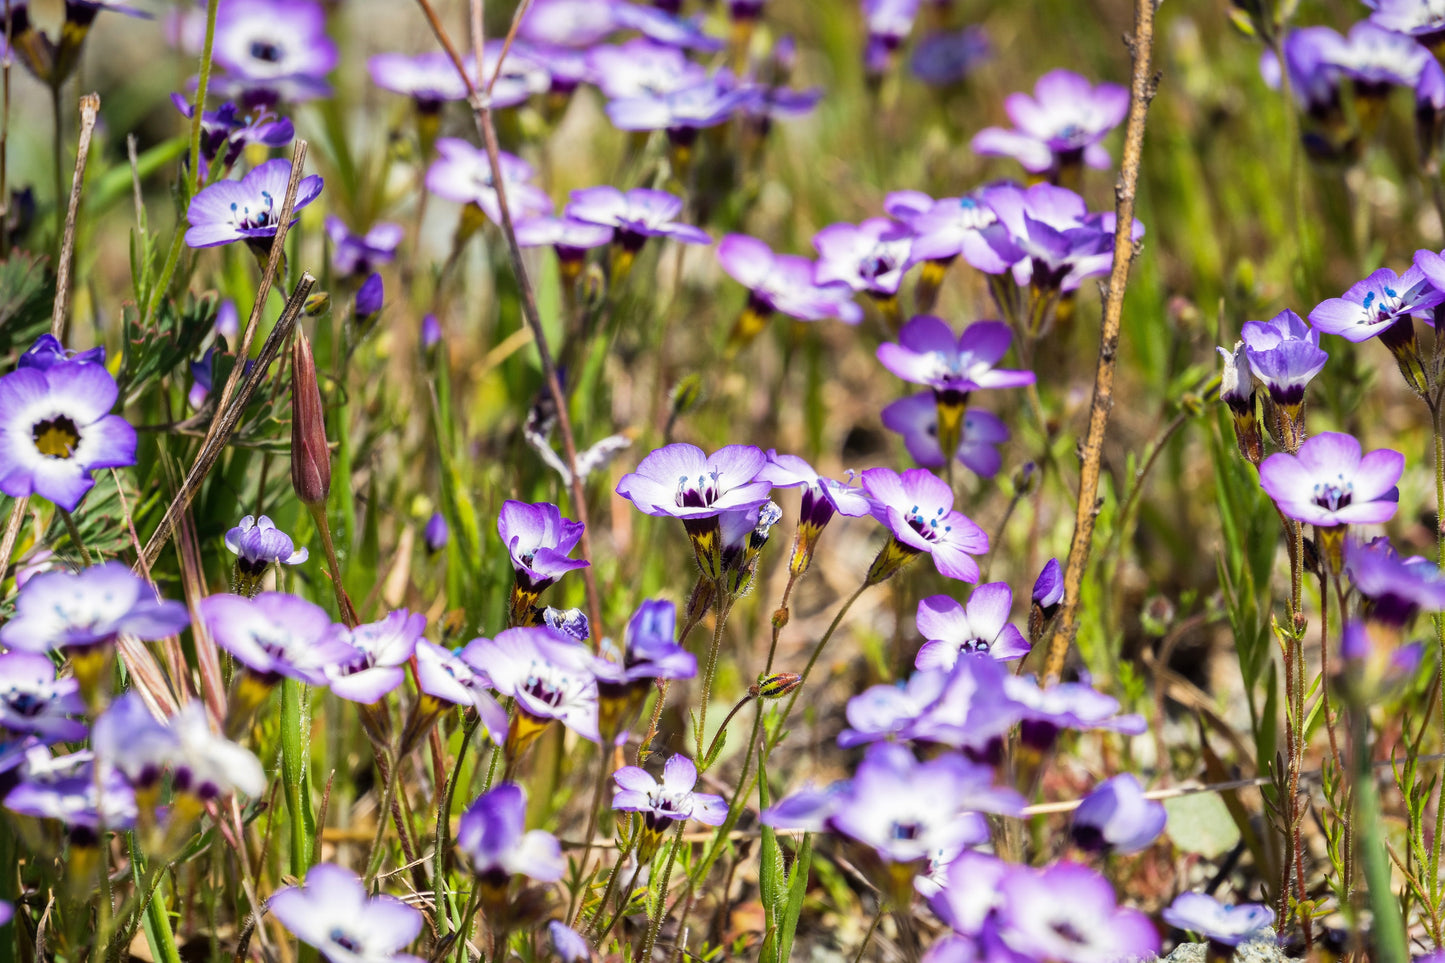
x=369 y=299
x=431 y=332
x=436 y=533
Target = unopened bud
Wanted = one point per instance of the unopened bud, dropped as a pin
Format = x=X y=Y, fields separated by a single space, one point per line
x=310 y=457
x=777 y=685
x=369 y=299
x=317 y=305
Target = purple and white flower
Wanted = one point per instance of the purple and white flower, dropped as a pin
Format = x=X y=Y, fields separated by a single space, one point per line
x=980 y=627
x=333 y=913
x=943 y=229
x=277 y=634
x=1069 y=912
x=1048 y=236
x=1116 y=817
x=928 y=353
x=226 y=131
x=56 y=428
x=550 y=677
x=494 y=843
x=887 y=711
x=1284 y=354
x=950 y=56
x=429 y=78
x=822 y=498
x=1372 y=306
x=870 y=257
x=248 y=209
x=1331 y=483
x=68 y=790
x=642 y=68
x=669 y=800
x=634 y=216
x=258 y=544
x=381 y=649
x=1393 y=590
x=462 y=173
x=539 y=541
x=917 y=508
x=34 y=702
x=570 y=238
x=358 y=255
x=785 y=283
x=684 y=111
x=1065 y=705
x=273 y=49
x=76 y=612
x=916 y=419
x=683 y=481
x=1059 y=126
x=444 y=679
x=1221 y=923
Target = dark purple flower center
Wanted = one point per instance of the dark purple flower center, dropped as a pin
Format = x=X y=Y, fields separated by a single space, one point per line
x=26 y=704
x=1334 y=495
x=876 y=264
x=1066 y=930
x=344 y=940
x=905 y=831
x=974 y=645
x=264 y=214
x=932 y=528
x=266 y=50
x=56 y=437
x=701 y=494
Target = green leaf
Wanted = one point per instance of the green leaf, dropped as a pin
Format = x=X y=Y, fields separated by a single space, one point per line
x=27 y=291
x=797 y=890
x=1201 y=823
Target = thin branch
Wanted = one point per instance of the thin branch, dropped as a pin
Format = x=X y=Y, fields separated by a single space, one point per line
x=89 y=106
x=1141 y=92
x=480 y=102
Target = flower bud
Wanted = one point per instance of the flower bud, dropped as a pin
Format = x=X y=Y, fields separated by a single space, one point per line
x=369 y=299
x=431 y=332
x=436 y=533
x=310 y=457
x=317 y=304
x=777 y=685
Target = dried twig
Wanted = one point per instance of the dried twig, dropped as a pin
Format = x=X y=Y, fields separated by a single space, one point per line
x=480 y=102
x=1141 y=92
x=89 y=106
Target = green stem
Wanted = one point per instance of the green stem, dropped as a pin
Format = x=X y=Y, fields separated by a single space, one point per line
x=75 y=538
x=602 y=780
x=1439 y=620
x=294 y=743
x=626 y=897
x=656 y=925
x=868 y=936
x=444 y=820
x=58 y=145
x=201 y=87
x=373 y=858
x=724 y=606
x=813 y=660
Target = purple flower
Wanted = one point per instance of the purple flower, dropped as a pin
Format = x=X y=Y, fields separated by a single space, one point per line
x=571 y=623
x=428 y=78
x=1069 y=912
x=871 y=257
x=1330 y=483
x=276 y=634
x=571 y=23
x=946 y=228
x=672 y=799
x=436 y=533
x=369 y=299
x=662 y=26
x=972 y=711
x=333 y=913
x=1116 y=817
x=1370 y=307
x=569 y=945
x=917 y=507
x=47 y=352
x=905 y=809
x=549 y=676
x=360 y=254
x=274 y=49
x=1422 y=19
x=970 y=892
x=1218 y=922
x=625 y=673
x=642 y=68
x=493 y=840
x=202 y=763
x=682 y=112
x=570 y=238
x=1376 y=58
x=685 y=482
x=889 y=22
x=948 y=57
x=916 y=419
x=1048 y=591
x=1393 y=590
x=1060 y=125
x=34 y=702
x=784 y=283
x=247 y=209
x=1284 y=354
x=1311 y=57
x=431 y=331
x=68 y=790
x=463 y=174
x=56 y=428
x=443 y=678
x=539 y=541
x=225 y=132
x=636 y=215
x=1049 y=236
x=90 y=608
x=982 y=626
x=258 y=544
x=566 y=67
x=822 y=497
x=381 y=650
x=1065 y=705
x=928 y=353
x=887 y=711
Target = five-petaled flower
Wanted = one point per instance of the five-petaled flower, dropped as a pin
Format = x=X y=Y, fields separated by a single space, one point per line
x=917 y=508
x=333 y=913
x=981 y=626
x=248 y=209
